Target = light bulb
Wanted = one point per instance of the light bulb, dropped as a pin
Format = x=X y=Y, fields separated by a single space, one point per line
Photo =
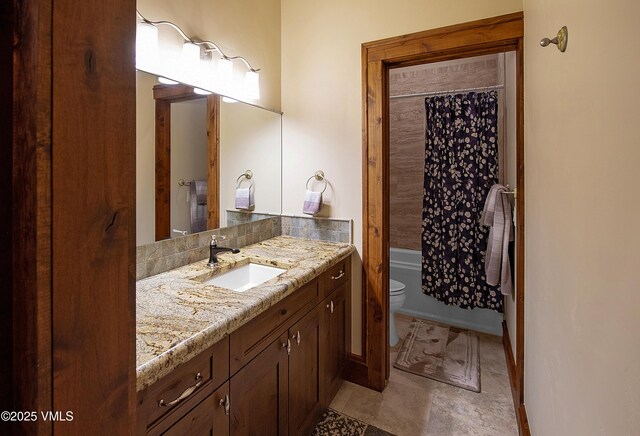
x=201 y=91
x=225 y=71
x=167 y=81
x=146 y=44
x=252 y=85
x=190 y=54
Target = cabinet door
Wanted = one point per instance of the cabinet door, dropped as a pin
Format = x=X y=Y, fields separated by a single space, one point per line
x=305 y=393
x=335 y=315
x=206 y=419
x=259 y=393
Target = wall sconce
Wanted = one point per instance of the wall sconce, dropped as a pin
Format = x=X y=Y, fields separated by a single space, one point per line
x=191 y=68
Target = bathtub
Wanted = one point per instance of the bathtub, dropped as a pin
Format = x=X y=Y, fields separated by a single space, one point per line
x=406 y=267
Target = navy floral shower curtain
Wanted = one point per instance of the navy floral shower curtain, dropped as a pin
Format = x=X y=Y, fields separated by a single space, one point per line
x=461 y=165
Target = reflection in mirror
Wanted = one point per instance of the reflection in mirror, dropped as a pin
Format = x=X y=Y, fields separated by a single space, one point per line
x=191 y=149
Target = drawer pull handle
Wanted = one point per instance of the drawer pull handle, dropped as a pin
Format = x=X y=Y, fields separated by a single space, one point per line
x=183 y=395
x=339 y=276
x=296 y=337
x=287 y=345
x=225 y=402
x=330 y=306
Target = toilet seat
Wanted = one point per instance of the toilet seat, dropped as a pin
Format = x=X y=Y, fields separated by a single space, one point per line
x=396 y=301
x=396 y=287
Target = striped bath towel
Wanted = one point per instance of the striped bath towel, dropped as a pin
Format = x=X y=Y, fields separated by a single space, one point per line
x=198 y=205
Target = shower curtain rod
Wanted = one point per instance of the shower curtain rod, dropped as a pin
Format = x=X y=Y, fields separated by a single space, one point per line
x=451 y=91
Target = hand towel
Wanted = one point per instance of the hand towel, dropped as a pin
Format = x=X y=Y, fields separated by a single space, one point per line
x=312 y=202
x=497 y=215
x=198 y=205
x=244 y=199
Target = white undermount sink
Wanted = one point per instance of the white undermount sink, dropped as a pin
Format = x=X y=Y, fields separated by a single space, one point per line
x=244 y=277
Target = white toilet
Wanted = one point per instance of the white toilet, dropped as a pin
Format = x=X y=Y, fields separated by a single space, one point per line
x=396 y=301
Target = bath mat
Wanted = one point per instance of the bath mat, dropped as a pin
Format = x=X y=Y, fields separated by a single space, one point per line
x=334 y=423
x=441 y=353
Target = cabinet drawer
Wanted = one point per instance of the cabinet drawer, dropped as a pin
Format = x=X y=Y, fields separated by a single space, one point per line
x=207 y=418
x=336 y=276
x=204 y=372
x=249 y=340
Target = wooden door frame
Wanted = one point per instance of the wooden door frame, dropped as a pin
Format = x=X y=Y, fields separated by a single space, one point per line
x=164 y=96
x=492 y=35
x=73 y=259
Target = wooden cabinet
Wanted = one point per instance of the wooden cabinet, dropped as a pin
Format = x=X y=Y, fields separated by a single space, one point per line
x=208 y=418
x=274 y=376
x=305 y=367
x=335 y=333
x=166 y=401
x=259 y=393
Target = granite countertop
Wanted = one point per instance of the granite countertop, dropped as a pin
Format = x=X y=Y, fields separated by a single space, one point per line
x=177 y=316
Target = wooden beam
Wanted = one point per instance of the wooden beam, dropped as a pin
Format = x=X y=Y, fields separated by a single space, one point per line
x=163 y=169
x=175 y=93
x=93 y=179
x=213 y=161
x=30 y=205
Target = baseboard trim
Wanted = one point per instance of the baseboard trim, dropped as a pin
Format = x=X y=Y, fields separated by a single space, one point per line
x=356 y=370
x=521 y=412
x=511 y=364
x=523 y=422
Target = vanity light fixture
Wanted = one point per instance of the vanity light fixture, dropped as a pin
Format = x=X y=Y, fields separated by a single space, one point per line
x=194 y=51
x=252 y=84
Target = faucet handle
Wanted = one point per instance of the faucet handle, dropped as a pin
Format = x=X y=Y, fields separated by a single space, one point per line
x=214 y=240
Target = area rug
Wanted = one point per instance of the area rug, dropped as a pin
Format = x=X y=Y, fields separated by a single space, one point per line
x=336 y=424
x=442 y=353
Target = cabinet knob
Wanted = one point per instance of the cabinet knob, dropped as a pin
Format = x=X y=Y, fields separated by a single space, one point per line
x=225 y=402
x=287 y=345
x=296 y=337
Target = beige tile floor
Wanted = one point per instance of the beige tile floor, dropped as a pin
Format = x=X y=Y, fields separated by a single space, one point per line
x=412 y=405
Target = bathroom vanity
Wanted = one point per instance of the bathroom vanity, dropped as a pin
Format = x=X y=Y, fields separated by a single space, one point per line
x=267 y=360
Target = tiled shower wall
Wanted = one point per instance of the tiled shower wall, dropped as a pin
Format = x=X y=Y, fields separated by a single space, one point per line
x=161 y=256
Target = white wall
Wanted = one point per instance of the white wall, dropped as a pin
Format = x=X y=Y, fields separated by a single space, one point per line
x=322 y=94
x=250 y=139
x=582 y=343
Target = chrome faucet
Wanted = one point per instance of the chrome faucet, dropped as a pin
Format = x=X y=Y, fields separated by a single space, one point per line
x=214 y=250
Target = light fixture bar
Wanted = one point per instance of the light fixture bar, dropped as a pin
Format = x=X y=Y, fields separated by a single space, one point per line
x=210 y=46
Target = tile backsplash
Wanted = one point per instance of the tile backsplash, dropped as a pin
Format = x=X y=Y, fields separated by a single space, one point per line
x=320 y=229
x=247 y=229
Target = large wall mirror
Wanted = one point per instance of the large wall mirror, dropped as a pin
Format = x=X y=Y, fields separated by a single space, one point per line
x=193 y=151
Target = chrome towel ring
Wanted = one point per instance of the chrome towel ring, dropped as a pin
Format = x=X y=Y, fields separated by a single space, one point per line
x=319 y=176
x=247 y=175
